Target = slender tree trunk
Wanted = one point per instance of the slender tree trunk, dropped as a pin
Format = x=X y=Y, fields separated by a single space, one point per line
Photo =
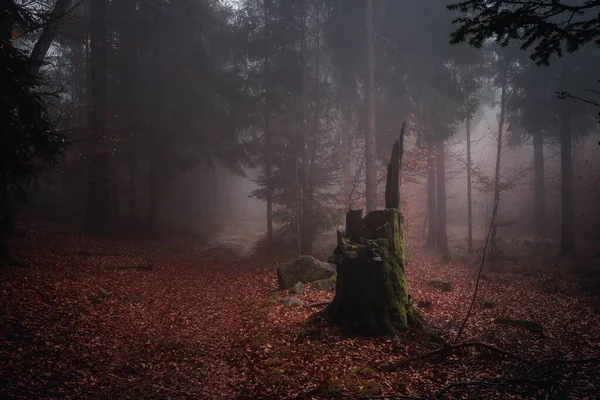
x=469 y=189
x=45 y=40
x=442 y=235
x=268 y=135
x=115 y=190
x=494 y=233
x=431 y=202
x=371 y=166
x=98 y=215
x=309 y=215
x=539 y=209
x=305 y=241
x=567 y=243
x=132 y=189
x=157 y=130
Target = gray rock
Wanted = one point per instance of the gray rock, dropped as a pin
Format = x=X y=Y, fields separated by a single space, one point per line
x=305 y=269
x=441 y=284
x=292 y=302
x=298 y=288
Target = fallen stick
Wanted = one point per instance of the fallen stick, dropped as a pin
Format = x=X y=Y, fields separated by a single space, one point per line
x=318 y=304
x=452 y=347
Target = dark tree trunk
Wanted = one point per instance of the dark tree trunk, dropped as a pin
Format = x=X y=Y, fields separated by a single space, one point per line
x=98 y=213
x=431 y=202
x=441 y=233
x=539 y=208
x=268 y=134
x=567 y=244
x=132 y=189
x=304 y=207
x=371 y=296
x=115 y=190
x=494 y=232
x=157 y=130
x=469 y=190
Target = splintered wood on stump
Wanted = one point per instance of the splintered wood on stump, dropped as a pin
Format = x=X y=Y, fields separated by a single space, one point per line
x=371 y=292
x=392 y=186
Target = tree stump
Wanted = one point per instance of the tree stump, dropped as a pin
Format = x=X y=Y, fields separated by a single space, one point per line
x=371 y=292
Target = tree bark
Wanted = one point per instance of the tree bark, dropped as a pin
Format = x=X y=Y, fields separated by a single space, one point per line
x=157 y=130
x=494 y=233
x=268 y=135
x=469 y=189
x=371 y=165
x=539 y=209
x=431 y=202
x=98 y=213
x=371 y=291
x=441 y=232
x=132 y=188
x=567 y=243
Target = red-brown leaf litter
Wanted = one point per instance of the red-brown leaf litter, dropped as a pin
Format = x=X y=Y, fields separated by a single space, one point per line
x=113 y=319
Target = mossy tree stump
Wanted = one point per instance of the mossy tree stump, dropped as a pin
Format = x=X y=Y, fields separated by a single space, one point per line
x=371 y=293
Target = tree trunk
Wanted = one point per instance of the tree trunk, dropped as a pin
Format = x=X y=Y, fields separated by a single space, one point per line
x=431 y=202
x=371 y=296
x=440 y=160
x=268 y=135
x=539 y=208
x=45 y=40
x=469 y=190
x=371 y=165
x=567 y=244
x=115 y=190
x=157 y=129
x=132 y=188
x=305 y=221
x=494 y=233
x=98 y=213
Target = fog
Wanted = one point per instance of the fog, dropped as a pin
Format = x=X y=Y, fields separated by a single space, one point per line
x=299 y=199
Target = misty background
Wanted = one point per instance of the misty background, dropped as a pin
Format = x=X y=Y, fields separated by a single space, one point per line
x=221 y=118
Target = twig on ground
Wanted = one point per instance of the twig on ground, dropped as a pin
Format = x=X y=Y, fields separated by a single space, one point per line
x=480 y=344
x=318 y=304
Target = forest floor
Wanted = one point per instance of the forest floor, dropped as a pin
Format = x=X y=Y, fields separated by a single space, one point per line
x=99 y=319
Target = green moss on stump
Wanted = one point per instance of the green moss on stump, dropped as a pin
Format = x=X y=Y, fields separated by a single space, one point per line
x=371 y=293
x=324 y=285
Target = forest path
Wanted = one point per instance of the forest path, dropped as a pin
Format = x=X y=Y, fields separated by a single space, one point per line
x=238 y=235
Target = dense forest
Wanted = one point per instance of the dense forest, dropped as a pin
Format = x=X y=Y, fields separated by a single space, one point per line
x=173 y=174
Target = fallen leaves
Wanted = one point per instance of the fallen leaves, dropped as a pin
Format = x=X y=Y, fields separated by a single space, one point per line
x=200 y=324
